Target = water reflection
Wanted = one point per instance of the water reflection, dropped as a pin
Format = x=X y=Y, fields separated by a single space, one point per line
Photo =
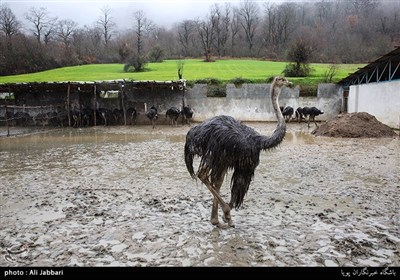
x=84 y=136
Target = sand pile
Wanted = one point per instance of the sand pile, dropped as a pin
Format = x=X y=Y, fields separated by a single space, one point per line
x=354 y=125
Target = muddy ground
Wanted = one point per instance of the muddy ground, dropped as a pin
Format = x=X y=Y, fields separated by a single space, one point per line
x=121 y=196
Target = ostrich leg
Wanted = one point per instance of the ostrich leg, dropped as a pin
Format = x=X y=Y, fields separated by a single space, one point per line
x=214 y=212
x=202 y=174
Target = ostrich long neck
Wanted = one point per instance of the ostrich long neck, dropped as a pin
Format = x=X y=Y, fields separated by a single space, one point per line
x=279 y=133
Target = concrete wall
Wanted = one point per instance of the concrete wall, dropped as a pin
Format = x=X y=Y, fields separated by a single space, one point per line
x=252 y=102
x=379 y=99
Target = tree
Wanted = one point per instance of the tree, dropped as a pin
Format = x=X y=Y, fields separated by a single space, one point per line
x=65 y=31
x=9 y=25
x=107 y=25
x=234 y=26
x=179 y=64
x=43 y=24
x=143 y=26
x=186 y=34
x=250 y=20
x=330 y=73
x=299 y=53
x=279 y=26
x=156 y=54
x=222 y=22
x=206 y=31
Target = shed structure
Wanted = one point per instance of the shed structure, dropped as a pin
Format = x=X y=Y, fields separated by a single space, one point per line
x=375 y=89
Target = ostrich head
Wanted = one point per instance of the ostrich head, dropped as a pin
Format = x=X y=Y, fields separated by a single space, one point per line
x=276 y=87
x=278 y=83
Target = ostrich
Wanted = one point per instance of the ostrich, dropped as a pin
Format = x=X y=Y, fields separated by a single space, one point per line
x=152 y=115
x=224 y=143
x=287 y=113
x=299 y=114
x=187 y=114
x=311 y=113
x=173 y=114
x=132 y=114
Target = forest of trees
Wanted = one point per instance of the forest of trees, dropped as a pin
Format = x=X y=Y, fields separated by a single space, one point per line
x=332 y=31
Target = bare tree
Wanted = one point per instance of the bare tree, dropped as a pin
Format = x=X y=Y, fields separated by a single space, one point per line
x=9 y=25
x=106 y=24
x=222 y=22
x=358 y=7
x=206 y=30
x=330 y=73
x=43 y=24
x=234 y=26
x=65 y=31
x=186 y=31
x=280 y=24
x=143 y=26
x=250 y=20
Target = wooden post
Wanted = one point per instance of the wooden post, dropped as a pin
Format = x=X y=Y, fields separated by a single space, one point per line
x=94 y=106
x=183 y=104
x=79 y=107
x=7 y=124
x=121 y=87
x=69 y=105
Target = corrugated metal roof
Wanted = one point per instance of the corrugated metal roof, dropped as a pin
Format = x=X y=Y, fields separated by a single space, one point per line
x=385 y=68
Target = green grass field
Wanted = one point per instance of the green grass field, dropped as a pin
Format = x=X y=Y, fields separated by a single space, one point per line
x=223 y=70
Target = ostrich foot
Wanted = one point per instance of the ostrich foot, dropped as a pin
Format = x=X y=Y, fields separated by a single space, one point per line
x=228 y=220
x=224 y=226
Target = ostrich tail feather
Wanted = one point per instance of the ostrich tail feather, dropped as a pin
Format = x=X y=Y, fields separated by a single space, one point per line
x=240 y=183
x=189 y=160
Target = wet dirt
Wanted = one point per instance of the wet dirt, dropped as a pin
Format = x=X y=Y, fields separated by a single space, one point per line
x=354 y=125
x=121 y=196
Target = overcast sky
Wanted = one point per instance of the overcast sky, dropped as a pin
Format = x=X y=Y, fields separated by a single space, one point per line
x=162 y=12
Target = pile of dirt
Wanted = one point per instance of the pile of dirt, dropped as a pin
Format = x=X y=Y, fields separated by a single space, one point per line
x=354 y=125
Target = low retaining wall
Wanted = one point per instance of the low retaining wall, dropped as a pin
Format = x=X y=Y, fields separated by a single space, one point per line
x=252 y=102
x=247 y=102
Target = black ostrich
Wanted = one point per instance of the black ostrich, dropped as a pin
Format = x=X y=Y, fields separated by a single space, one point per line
x=173 y=114
x=152 y=114
x=287 y=113
x=224 y=143
x=131 y=115
x=187 y=114
x=311 y=113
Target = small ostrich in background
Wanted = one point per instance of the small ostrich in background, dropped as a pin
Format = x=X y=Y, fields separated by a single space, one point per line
x=311 y=113
x=299 y=114
x=131 y=115
x=287 y=113
x=173 y=114
x=224 y=143
x=152 y=114
x=187 y=114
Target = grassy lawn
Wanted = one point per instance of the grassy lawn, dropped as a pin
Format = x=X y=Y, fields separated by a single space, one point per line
x=224 y=70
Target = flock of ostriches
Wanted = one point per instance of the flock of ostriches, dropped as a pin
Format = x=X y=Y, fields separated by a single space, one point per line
x=103 y=116
x=301 y=114
x=87 y=117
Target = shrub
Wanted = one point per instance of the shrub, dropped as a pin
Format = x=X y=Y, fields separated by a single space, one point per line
x=135 y=63
x=216 y=90
x=296 y=70
x=308 y=90
x=156 y=54
x=239 y=81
